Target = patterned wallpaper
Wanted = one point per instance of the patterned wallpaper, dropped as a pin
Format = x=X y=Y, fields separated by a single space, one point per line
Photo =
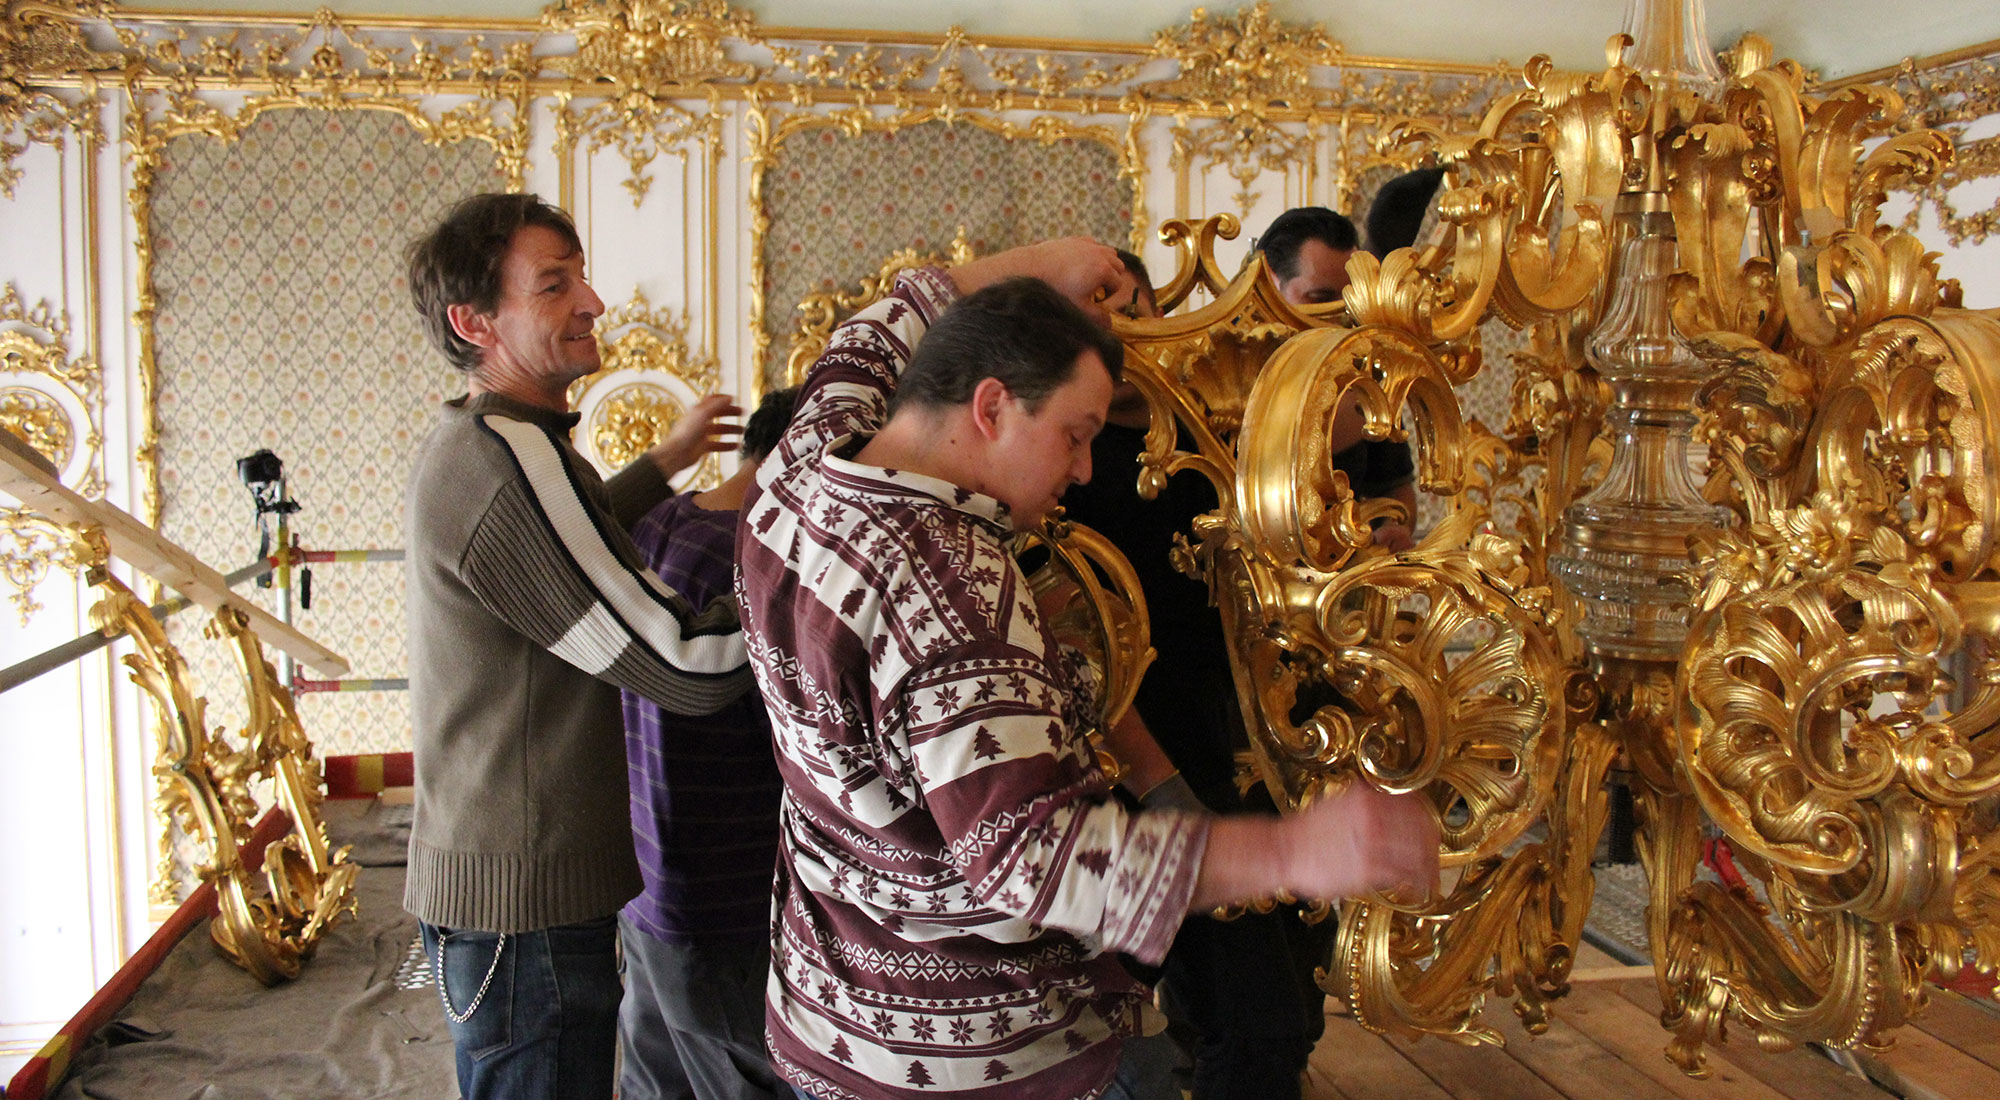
x=841 y=203
x=284 y=322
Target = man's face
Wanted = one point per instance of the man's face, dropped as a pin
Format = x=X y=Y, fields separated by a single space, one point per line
x=1322 y=275
x=1047 y=450
x=540 y=331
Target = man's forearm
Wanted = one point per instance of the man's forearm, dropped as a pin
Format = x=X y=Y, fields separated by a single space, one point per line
x=1146 y=764
x=1247 y=858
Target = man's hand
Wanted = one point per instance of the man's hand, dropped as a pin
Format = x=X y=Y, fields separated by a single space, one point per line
x=1361 y=841
x=1396 y=536
x=1344 y=845
x=702 y=431
x=1087 y=272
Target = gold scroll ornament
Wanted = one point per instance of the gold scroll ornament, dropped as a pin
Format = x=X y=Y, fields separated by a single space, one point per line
x=1830 y=711
x=205 y=784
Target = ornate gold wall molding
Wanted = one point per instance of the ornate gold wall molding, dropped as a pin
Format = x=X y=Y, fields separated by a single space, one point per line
x=819 y=314
x=55 y=403
x=1953 y=99
x=156 y=117
x=770 y=129
x=650 y=371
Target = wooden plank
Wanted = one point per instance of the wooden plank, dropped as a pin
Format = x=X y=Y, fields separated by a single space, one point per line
x=1922 y=1065
x=1611 y=973
x=37 y=487
x=1965 y=1026
x=1353 y=1062
x=1571 y=1063
x=1478 y=1073
x=1637 y=1037
x=1802 y=1074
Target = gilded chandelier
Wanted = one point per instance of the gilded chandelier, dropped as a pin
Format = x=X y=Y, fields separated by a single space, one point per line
x=1788 y=648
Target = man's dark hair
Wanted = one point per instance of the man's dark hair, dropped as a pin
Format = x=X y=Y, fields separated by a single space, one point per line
x=1021 y=331
x=1399 y=208
x=458 y=262
x=764 y=428
x=1280 y=243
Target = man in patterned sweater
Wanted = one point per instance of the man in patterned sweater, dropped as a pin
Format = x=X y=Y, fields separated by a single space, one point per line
x=528 y=610
x=953 y=878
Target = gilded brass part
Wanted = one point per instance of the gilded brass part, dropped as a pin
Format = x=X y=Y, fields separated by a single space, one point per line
x=1090 y=595
x=1693 y=268
x=205 y=785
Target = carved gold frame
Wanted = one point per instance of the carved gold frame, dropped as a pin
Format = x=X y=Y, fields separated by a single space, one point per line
x=146 y=142
x=626 y=409
x=55 y=403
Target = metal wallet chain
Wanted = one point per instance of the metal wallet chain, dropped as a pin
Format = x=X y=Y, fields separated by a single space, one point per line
x=444 y=995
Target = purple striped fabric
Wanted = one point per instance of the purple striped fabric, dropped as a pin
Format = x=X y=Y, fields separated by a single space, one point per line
x=704 y=789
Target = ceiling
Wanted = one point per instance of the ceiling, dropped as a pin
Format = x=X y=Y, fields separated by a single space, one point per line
x=1835 y=37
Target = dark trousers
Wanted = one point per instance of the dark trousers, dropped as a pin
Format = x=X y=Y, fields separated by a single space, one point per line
x=692 y=1023
x=1245 y=989
x=540 y=1009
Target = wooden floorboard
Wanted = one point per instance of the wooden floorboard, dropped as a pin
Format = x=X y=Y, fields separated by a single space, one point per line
x=1801 y=1074
x=1966 y=1026
x=1924 y=1067
x=1353 y=1063
x=1605 y=1040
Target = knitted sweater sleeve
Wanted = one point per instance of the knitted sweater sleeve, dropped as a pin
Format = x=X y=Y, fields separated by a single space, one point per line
x=550 y=562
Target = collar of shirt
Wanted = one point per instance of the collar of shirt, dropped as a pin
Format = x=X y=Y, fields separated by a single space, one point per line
x=482 y=403
x=873 y=487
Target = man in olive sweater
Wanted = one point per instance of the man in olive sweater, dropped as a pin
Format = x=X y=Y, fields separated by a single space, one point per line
x=528 y=610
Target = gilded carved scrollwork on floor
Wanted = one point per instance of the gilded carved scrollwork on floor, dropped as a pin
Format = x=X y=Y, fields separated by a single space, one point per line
x=208 y=787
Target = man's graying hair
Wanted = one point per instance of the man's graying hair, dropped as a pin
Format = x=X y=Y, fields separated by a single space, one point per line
x=458 y=262
x=1021 y=331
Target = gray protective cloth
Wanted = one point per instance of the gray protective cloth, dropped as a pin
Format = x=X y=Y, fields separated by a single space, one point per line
x=200 y=1028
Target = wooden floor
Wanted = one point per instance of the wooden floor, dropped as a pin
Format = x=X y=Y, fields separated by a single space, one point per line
x=1606 y=1042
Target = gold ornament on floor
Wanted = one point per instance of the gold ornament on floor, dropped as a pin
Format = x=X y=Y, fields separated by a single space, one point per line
x=1790 y=648
x=205 y=784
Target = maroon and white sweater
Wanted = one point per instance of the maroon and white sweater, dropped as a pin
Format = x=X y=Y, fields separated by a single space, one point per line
x=952 y=875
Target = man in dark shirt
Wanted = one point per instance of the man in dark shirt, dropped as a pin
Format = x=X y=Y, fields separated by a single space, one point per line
x=1307 y=248
x=1243 y=988
x=705 y=824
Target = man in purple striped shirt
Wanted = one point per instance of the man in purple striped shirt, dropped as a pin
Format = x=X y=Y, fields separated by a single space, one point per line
x=705 y=826
x=953 y=877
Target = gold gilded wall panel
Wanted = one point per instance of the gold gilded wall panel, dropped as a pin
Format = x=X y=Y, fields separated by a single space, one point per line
x=1961 y=100
x=840 y=191
x=55 y=403
x=283 y=321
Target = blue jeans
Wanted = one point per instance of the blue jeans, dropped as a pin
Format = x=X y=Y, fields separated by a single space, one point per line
x=545 y=1026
